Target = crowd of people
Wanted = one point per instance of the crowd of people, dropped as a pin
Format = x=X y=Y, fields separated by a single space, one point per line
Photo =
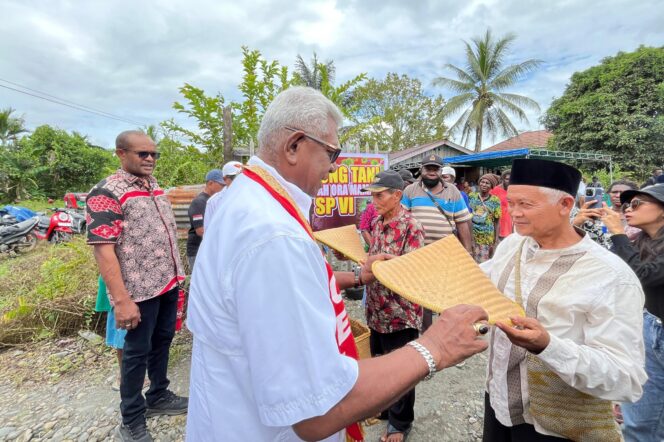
x=273 y=355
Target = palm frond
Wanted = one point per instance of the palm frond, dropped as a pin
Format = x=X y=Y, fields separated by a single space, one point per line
x=498 y=53
x=510 y=107
x=455 y=85
x=453 y=105
x=520 y=100
x=461 y=121
x=513 y=73
x=505 y=125
x=473 y=66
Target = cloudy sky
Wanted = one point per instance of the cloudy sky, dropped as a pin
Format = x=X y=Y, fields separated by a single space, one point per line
x=128 y=58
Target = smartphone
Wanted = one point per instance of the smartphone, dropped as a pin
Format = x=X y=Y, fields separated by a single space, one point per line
x=595 y=194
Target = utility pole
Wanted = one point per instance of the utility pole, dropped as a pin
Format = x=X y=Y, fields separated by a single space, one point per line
x=228 y=134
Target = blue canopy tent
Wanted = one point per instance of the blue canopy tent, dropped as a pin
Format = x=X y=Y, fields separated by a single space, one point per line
x=503 y=158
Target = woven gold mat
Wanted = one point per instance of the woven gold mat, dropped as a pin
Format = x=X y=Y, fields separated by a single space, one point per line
x=345 y=240
x=442 y=275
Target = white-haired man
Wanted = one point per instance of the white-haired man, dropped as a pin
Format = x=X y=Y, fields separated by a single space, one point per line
x=273 y=356
x=580 y=346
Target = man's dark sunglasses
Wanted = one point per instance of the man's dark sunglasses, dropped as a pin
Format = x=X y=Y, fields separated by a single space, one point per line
x=332 y=151
x=143 y=154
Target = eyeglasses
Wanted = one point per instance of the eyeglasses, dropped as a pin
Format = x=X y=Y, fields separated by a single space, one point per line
x=143 y=154
x=634 y=204
x=332 y=151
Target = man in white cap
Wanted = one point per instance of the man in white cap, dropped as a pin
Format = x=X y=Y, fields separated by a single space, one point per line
x=214 y=183
x=230 y=170
x=448 y=174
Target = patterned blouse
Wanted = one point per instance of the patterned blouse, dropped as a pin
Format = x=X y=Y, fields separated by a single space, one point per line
x=388 y=312
x=137 y=217
x=484 y=215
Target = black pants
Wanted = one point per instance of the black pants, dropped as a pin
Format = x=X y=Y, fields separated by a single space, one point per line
x=494 y=431
x=146 y=347
x=402 y=413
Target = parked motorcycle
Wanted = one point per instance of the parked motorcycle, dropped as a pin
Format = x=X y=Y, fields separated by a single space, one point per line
x=77 y=219
x=19 y=237
x=56 y=229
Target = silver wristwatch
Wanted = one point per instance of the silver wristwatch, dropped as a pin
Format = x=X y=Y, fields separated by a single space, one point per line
x=428 y=357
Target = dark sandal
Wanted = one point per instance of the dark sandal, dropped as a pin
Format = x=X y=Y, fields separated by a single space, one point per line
x=391 y=430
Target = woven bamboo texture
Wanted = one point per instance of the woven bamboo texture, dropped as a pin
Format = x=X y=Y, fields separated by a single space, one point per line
x=361 y=334
x=345 y=240
x=564 y=410
x=442 y=275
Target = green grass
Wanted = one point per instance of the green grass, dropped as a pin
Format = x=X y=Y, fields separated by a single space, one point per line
x=39 y=205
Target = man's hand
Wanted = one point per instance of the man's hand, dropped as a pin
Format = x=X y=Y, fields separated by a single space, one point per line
x=452 y=338
x=367 y=275
x=127 y=314
x=527 y=333
x=613 y=221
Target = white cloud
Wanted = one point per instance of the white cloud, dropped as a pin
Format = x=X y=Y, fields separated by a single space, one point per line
x=129 y=58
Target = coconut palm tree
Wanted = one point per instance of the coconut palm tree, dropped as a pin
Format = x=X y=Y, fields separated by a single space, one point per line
x=312 y=75
x=10 y=127
x=481 y=87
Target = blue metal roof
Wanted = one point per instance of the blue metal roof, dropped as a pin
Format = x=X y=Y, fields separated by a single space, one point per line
x=488 y=156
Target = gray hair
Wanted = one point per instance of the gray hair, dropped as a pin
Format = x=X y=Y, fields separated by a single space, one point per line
x=554 y=195
x=300 y=107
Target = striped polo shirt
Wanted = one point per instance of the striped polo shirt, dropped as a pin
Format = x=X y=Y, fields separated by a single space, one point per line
x=435 y=225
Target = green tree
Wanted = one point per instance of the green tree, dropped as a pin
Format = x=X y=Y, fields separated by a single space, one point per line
x=65 y=162
x=617 y=108
x=180 y=164
x=480 y=87
x=207 y=112
x=395 y=113
x=262 y=80
x=10 y=127
x=312 y=74
x=18 y=173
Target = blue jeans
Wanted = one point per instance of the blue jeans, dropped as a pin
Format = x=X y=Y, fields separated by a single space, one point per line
x=644 y=419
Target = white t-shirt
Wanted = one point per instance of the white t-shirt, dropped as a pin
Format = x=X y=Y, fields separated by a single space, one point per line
x=265 y=354
x=211 y=207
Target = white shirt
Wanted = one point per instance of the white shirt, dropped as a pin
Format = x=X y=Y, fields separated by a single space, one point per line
x=211 y=207
x=265 y=354
x=593 y=313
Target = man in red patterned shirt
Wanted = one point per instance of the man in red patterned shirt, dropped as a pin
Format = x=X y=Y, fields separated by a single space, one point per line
x=393 y=320
x=132 y=228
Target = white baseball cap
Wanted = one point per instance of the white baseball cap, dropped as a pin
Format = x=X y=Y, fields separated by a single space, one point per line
x=231 y=168
x=447 y=170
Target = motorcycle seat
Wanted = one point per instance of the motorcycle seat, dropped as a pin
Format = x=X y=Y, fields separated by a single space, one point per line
x=26 y=226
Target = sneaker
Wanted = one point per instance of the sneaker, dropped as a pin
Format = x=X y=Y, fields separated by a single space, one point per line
x=136 y=432
x=169 y=404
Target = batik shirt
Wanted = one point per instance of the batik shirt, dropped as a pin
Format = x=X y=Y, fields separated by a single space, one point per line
x=485 y=214
x=388 y=312
x=137 y=217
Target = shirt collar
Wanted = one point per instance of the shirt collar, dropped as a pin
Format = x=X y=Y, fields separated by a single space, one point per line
x=302 y=200
x=133 y=179
x=394 y=221
x=580 y=246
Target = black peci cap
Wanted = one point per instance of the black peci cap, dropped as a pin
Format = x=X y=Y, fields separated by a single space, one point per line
x=544 y=173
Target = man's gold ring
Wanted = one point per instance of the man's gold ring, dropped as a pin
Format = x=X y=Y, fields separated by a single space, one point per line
x=480 y=328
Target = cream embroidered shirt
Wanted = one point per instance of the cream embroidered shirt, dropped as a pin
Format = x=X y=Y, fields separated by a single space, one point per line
x=592 y=309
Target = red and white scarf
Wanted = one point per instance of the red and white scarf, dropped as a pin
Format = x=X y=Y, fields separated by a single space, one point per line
x=344 y=337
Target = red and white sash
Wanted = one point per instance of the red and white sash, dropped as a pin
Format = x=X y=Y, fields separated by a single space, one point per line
x=345 y=340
